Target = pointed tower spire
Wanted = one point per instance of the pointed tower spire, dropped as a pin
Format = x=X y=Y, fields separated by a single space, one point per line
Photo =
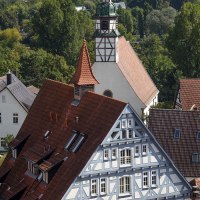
x=83 y=78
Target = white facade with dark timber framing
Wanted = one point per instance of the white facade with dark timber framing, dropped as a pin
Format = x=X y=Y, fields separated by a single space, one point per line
x=129 y=164
x=117 y=68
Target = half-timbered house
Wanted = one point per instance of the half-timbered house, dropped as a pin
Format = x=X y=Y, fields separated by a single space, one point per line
x=76 y=145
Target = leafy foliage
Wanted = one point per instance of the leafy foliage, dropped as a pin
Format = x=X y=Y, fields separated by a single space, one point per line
x=184 y=40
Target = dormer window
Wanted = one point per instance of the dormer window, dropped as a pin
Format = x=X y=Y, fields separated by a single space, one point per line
x=177 y=133
x=33 y=168
x=104 y=25
x=198 y=135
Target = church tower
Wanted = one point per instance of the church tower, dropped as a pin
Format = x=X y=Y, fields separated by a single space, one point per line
x=106 y=34
x=83 y=78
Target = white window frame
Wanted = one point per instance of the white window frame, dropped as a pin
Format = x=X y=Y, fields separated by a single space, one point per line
x=124 y=134
x=130 y=123
x=14 y=153
x=15 y=118
x=154 y=178
x=137 y=153
x=3 y=144
x=124 y=185
x=124 y=123
x=103 y=185
x=106 y=154
x=3 y=99
x=125 y=159
x=144 y=149
x=45 y=177
x=130 y=134
x=114 y=154
x=94 y=187
x=145 y=179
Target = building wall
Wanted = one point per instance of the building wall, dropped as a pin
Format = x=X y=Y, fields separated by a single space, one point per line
x=7 y=109
x=110 y=78
x=149 y=172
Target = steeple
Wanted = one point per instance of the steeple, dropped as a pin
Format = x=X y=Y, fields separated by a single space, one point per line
x=106 y=34
x=83 y=78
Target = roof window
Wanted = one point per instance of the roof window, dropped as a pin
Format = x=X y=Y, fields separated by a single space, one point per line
x=71 y=139
x=177 y=133
x=198 y=135
x=47 y=133
x=196 y=158
x=77 y=143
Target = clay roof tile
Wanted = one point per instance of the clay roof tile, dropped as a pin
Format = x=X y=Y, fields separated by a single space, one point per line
x=83 y=74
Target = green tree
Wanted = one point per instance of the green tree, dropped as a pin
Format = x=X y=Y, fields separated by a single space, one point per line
x=56 y=28
x=9 y=138
x=13 y=14
x=184 y=40
x=156 y=59
x=9 y=60
x=160 y=21
x=10 y=37
x=38 y=65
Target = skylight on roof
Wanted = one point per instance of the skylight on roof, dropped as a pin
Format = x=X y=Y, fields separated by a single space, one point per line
x=47 y=133
x=71 y=139
x=177 y=133
x=78 y=142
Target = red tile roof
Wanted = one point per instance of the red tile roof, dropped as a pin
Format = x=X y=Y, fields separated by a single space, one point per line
x=97 y=115
x=162 y=124
x=135 y=72
x=83 y=74
x=189 y=93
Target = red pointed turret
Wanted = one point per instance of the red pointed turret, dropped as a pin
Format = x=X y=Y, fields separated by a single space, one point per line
x=83 y=78
x=83 y=74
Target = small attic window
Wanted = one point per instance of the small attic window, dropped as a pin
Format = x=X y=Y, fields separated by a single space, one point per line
x=177 y=133
x=198 y=135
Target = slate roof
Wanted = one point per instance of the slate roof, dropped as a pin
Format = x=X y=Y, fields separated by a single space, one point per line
x=162 y=123
x=189 y=93
x=83 y=74
x=24 y=96
x=52 y=110
x=33 y=89
x=135 y=72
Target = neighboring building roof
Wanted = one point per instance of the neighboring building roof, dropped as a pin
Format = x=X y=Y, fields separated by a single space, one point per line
x=79 y=8
x=135 y=72
x=52 y=110
x=163 y=123
x=83 y=74
x=18 y=90
x=33 y=89
x=122 y=4
x=189 y=93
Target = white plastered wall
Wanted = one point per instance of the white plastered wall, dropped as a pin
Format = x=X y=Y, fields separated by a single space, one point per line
x=7 y=109
x=111 y=78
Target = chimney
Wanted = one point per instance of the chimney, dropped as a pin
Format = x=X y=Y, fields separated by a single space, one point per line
x=9 y=78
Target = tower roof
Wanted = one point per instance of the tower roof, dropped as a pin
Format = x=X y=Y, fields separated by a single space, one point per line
x=83 y=74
